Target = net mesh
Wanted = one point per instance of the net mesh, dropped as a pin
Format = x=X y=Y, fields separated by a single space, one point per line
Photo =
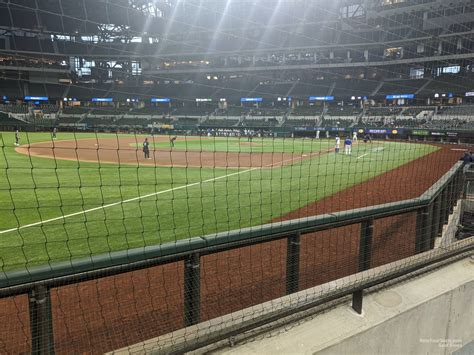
x=136 y=124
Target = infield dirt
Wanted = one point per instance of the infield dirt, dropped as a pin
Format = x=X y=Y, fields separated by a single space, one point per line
x=127 y=151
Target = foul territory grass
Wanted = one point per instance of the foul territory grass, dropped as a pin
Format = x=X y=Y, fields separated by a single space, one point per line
x=37 y=189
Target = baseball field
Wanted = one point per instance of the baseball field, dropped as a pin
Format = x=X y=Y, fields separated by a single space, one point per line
x=86 y=194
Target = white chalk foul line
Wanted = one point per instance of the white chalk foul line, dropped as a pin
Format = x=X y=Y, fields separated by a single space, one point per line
x=374 y=150
x=40 y=223
x=363 y=155
x=124 y=201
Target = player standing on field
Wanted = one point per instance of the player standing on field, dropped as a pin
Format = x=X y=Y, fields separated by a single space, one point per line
x=54 y=132
x=17 y=137
x=348 y=146
x=172 y=140
x=354 y=136
x=146 y=148
x=338 y=144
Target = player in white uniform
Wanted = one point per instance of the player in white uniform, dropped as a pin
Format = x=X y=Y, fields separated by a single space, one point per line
x=338 y=144
x=354 y=136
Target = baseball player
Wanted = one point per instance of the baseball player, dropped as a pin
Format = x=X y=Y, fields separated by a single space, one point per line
x=172 y=140
x=54 y=132
x=354 y=136
x=250 y=136
x=338 y=144
x=146 y=149
x=17 y=137
x=348 y=146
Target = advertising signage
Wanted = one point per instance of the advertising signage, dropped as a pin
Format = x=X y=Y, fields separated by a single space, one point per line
x=444 y=134
x=160 y=99
x=438 y=95
x=383 y=131
x=400 y=96
x=321 y=98
x=420 y=132
x=102 y=99
x=251 y=99
x=36 y=98
x=470 y=93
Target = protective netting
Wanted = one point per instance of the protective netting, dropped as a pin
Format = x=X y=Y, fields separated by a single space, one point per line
x=190 y=125
x=84 y=194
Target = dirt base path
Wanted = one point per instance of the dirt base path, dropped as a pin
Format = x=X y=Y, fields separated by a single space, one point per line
x=113 y=312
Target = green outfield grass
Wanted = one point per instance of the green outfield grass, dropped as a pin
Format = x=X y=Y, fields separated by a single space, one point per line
x=38 y=189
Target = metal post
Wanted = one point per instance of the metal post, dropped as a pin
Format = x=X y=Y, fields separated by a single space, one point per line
x=292 y=263
x=357 y=298
x=192 y=289
x=365 y=259
x=420 y=224
x=464 y=185
x=428 y=227
x=452 y=197
x=456 y=179
x=461 y=182
x=424 y=219
x=444 y=208
x=41 y=321
x=435 y=231
x=365 y=244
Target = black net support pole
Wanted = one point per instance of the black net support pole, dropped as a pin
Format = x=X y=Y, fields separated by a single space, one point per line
x=435 y=231
x=452 y=196
x=292 y=263
x=365 y=259
x=457 y=185
x=444 y=208
x=357 y=297
x=192 y=289
x=424 y=219
x=41 y=321
x=365 y=244
x=461 y=184
x=428 y=227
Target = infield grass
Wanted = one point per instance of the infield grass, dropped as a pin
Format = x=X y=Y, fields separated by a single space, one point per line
x=36 y=189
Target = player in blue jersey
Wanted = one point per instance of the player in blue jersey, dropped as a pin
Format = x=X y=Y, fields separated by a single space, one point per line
x=348 y=146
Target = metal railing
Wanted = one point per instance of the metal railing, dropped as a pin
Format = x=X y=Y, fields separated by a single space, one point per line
x=432 y=210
